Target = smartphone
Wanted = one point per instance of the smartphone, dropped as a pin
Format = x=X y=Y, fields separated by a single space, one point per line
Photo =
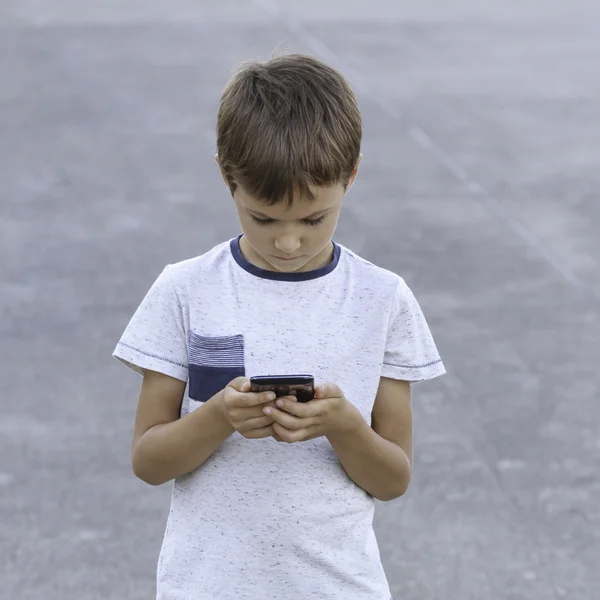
x=301 y=386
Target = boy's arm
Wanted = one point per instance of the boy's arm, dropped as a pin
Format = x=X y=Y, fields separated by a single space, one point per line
x=379 y=458
x=166 y=446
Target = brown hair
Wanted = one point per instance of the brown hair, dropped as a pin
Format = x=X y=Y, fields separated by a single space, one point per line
x=286 y=124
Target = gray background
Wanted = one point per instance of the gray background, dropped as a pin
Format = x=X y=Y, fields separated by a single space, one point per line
x=479 y=185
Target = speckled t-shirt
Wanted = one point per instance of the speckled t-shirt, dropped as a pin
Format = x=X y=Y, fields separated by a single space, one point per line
x=262 y=520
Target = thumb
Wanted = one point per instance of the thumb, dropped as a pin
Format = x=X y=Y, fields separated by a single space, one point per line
x=241 y=384
x=328 y=390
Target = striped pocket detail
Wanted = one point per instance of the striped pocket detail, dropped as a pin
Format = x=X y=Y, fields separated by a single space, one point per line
x=213 y=362
x=219 y=351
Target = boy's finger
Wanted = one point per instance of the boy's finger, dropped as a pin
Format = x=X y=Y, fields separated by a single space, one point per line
x=256 y=423
x=303 y=410
x=256 y=434
x=286 y=420
x=254 y=399
x=240 y=384
x=327 y=390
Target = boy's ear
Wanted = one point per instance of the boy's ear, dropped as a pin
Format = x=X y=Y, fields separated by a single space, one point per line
x=353 y=174
x=222 y=172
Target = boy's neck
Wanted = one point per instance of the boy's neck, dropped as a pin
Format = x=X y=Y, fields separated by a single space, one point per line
x=320 y=260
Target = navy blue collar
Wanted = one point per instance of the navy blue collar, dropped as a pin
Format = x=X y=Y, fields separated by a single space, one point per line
x=278 y=275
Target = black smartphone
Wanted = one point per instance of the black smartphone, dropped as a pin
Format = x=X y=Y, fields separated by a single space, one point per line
x=301 y=386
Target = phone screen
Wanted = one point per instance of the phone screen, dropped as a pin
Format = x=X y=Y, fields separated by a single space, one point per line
x=301 y=386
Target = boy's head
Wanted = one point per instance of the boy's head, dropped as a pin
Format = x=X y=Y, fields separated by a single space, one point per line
x=288 y=139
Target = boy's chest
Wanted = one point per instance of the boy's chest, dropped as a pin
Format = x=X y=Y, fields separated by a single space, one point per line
x=329 y=336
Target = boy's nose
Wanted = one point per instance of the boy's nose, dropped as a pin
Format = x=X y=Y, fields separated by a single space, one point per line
x=287 y=244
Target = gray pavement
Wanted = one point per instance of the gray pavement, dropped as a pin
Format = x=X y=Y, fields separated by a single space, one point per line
x=479 y=185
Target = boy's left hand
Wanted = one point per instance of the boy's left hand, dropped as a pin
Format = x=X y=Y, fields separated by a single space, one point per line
x=328 y=414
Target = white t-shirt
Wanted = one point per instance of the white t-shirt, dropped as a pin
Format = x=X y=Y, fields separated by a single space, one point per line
x=262 y=520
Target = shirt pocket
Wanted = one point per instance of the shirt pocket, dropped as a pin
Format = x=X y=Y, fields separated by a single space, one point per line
x=213 y=362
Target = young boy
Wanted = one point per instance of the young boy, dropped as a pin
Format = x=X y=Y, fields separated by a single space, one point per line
x=273 y=499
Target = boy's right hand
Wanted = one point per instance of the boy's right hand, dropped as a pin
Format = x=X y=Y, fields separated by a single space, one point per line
x=243 y=409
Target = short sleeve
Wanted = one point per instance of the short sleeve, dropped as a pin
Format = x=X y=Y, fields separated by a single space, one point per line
x=410 y=351
x=155 y=338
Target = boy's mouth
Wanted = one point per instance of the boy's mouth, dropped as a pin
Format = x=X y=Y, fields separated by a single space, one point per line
x=288 y=259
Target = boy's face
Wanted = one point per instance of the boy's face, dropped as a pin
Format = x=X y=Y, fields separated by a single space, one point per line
x=290 y=239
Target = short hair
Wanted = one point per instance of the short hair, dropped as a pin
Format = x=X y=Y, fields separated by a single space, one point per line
x=287 y=124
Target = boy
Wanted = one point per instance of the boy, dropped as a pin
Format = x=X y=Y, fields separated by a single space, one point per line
x=273 y=499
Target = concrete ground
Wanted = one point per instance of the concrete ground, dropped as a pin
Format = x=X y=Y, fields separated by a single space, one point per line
x=479 y=185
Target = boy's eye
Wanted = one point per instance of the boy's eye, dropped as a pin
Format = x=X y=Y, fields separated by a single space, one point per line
x=314 y=222
x=261 y=221
x=311 y=222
